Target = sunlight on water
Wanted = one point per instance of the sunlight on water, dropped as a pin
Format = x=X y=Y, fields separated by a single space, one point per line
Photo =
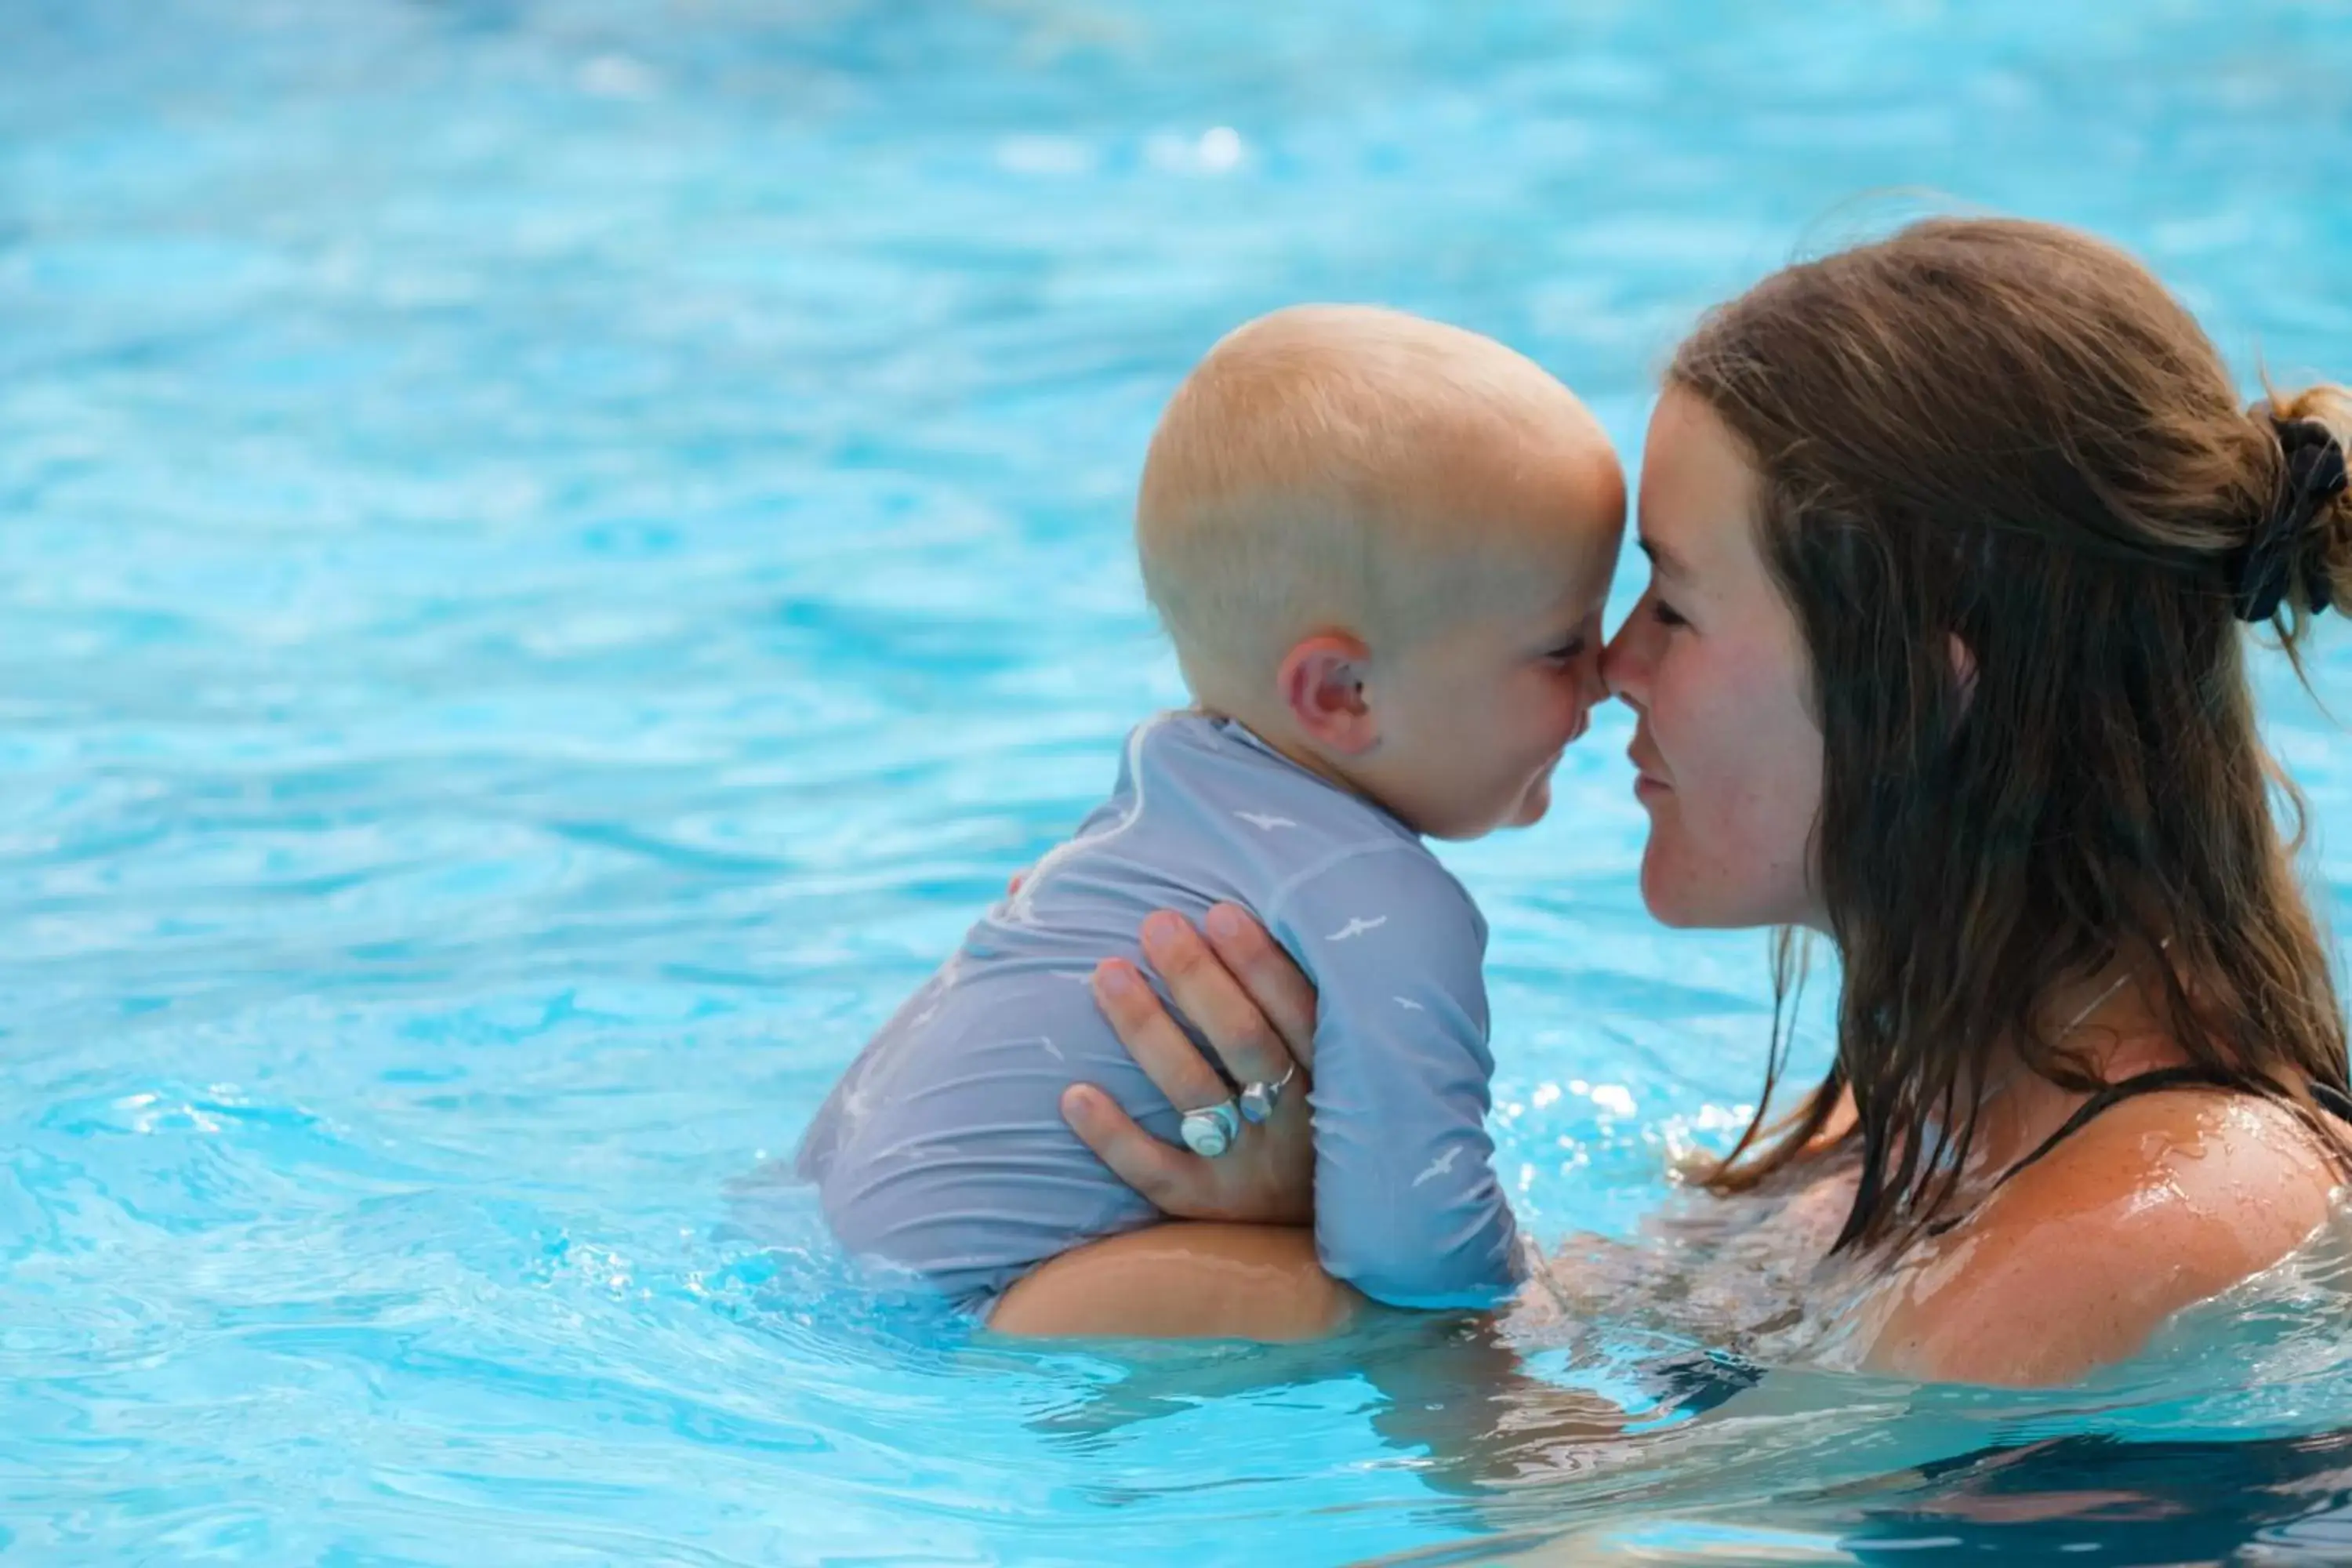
x=555 y=552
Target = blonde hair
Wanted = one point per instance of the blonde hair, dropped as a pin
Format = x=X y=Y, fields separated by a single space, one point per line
x=1344 y=467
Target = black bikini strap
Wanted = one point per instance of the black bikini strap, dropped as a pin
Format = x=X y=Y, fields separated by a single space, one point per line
x=2155 y=1083
x=2327 y=1096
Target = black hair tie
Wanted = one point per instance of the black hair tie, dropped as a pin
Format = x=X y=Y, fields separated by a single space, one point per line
x=2263 y=568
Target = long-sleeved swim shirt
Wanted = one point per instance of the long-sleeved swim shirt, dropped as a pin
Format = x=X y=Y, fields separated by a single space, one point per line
x=942 y=1149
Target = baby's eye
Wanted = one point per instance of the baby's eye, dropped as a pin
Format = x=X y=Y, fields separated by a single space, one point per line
x=1568 y=652
x=1666 y=614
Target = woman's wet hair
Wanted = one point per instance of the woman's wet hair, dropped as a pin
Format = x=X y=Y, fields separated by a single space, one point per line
x=2019 y=510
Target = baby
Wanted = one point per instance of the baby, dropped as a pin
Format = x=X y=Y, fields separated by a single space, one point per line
x=1381 y=546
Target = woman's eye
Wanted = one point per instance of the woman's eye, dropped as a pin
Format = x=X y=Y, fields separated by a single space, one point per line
x=1666 y=614
x=1567 y=652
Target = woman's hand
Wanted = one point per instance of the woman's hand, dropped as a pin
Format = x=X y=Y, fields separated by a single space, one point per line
x=1257 y=1011
x=1257 y=1280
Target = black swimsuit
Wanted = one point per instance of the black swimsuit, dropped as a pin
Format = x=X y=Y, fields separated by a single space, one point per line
x=1693 y=1383
x=2330 y=1099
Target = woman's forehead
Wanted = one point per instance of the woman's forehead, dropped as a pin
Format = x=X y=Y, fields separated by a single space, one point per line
x=1698 y=490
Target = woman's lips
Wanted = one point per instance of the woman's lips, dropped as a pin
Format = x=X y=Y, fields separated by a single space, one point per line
x=1646 y=781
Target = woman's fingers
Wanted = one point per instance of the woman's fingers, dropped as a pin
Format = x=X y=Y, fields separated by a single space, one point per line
x=1268 y=1174
x=1166 y=1176
x=1152 y=1039
x=1207 y=993
x=1267 y=1178
x=1285 y=995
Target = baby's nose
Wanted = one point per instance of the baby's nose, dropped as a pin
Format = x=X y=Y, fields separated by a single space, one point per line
x=1617 y=663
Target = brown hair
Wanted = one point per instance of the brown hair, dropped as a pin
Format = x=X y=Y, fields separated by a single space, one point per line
x=2008 y=436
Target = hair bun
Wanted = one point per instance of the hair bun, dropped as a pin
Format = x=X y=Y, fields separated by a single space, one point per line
x=2285 y=546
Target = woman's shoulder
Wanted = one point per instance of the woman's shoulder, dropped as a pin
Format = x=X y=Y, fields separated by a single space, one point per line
x=2162 y=1200
x=2165 y=1159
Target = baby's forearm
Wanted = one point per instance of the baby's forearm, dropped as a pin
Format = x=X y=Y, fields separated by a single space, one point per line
x=1183 y=1280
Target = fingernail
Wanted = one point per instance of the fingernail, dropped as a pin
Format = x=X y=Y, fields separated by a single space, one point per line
x=1160 y=930
x=1227 y=922
x=1118 y=978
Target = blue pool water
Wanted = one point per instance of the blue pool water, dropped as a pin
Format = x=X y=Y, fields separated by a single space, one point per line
x=553 y=553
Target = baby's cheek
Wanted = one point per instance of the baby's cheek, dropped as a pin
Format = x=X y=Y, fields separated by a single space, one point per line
x=1568 y=706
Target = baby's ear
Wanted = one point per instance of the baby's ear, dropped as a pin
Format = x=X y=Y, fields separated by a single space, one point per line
x=1321 y=681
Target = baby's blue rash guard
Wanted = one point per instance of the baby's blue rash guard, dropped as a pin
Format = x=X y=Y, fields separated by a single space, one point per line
x=942 y=1149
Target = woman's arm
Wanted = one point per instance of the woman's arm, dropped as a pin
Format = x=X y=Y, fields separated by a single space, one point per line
x=1258 y=1014
x=1183 y=1280
x=1231 y=1280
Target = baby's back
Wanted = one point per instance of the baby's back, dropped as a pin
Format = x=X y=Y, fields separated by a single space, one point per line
x=942 y=1149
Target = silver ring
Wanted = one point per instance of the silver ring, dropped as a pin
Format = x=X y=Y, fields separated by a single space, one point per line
x=1210 y=1131
x=1258 y=1099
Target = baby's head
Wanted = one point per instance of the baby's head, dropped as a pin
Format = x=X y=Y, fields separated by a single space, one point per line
x=1383 y=545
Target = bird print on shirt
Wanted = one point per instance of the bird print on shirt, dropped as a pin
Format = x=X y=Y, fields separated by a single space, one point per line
x=1356 y=928
x=1264 y=821
x=1439 y=1166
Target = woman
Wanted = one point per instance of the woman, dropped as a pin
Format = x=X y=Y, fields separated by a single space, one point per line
x=1952 y=537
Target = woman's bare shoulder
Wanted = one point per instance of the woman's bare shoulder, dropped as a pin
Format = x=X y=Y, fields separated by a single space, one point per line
x=2161 y=1202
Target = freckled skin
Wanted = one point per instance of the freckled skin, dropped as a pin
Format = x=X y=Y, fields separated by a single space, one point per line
x=1713 y=664
x=2158 y=1203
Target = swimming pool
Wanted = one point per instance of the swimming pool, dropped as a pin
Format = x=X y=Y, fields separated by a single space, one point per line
x=552 y=554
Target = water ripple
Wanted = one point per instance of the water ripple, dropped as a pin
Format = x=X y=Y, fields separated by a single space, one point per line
x=554 y=553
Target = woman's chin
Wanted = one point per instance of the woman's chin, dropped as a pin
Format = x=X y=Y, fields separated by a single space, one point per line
x=1669 y=915
x=1685 y=902
x=1676 y=900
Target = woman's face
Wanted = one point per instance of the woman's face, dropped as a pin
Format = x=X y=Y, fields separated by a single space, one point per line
x=1711 y=659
